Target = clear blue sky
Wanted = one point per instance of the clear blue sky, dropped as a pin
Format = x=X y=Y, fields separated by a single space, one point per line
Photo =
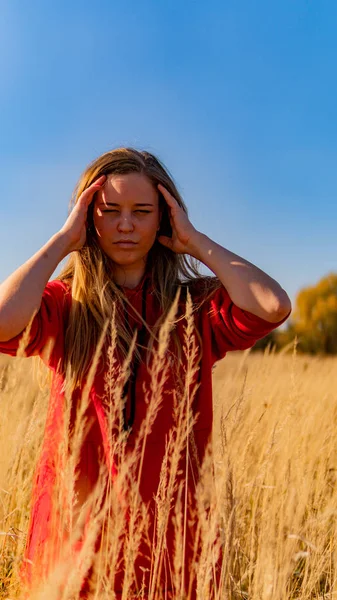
x=238 y=99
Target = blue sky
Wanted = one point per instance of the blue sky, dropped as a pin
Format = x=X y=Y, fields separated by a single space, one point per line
x=238 y=99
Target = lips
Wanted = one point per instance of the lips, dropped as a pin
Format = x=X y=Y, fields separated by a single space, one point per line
x=125 y=244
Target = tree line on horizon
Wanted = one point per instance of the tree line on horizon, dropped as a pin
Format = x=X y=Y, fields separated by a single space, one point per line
x=313 y=322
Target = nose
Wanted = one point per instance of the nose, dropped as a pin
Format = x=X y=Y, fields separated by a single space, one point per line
x=125 y=223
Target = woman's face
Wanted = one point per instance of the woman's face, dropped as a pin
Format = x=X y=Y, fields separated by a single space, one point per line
x=126 y=218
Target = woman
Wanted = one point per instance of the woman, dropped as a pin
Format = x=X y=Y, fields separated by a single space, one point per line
x=123 y=391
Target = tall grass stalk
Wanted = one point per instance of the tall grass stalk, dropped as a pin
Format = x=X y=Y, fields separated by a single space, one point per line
x=264 y=517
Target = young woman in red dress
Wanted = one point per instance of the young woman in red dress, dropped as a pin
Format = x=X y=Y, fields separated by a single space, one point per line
x=132 y=252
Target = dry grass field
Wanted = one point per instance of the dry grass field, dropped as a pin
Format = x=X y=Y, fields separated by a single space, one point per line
x=275 y=453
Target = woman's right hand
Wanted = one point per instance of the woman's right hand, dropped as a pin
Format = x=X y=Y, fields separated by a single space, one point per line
x=75 y=228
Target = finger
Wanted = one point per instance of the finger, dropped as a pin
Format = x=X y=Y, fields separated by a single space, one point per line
x=101 y=177
x=100 y=180
x=170 y=199
x=165 y=241
x=87 y=195
x=98 y=183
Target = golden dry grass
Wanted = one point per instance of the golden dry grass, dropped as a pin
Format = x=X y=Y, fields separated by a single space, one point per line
x=275 y=453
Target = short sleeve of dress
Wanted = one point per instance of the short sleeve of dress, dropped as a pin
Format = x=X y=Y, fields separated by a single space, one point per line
x=47 y=326
x=224 y=326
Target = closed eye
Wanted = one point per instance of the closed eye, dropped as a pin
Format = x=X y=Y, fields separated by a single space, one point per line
x=111 y=210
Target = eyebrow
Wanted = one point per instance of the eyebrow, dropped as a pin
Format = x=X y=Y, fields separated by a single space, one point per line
x=116 y=204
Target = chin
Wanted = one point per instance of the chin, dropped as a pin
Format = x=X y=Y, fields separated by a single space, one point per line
x=126 y=259
x=123 y=255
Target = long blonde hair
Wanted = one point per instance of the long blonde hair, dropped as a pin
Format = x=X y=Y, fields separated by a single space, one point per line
x=89 y=270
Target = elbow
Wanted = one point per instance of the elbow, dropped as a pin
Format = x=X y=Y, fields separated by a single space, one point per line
x=282 y=309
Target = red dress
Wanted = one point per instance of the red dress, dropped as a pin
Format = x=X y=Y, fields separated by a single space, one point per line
x=222 y=327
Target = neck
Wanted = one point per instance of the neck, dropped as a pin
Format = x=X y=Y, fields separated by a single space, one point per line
x=129 y=279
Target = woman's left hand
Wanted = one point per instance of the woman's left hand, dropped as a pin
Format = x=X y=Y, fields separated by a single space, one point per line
x=184 y=235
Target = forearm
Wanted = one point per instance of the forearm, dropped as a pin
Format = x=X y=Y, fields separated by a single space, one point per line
x=248 y=287
x=21 y=292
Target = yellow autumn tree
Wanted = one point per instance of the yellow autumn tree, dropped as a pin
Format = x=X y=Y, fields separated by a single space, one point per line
x=314 y=319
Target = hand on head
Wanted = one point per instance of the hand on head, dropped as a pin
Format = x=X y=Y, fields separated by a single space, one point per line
x=75 y=227
x=184 y=233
